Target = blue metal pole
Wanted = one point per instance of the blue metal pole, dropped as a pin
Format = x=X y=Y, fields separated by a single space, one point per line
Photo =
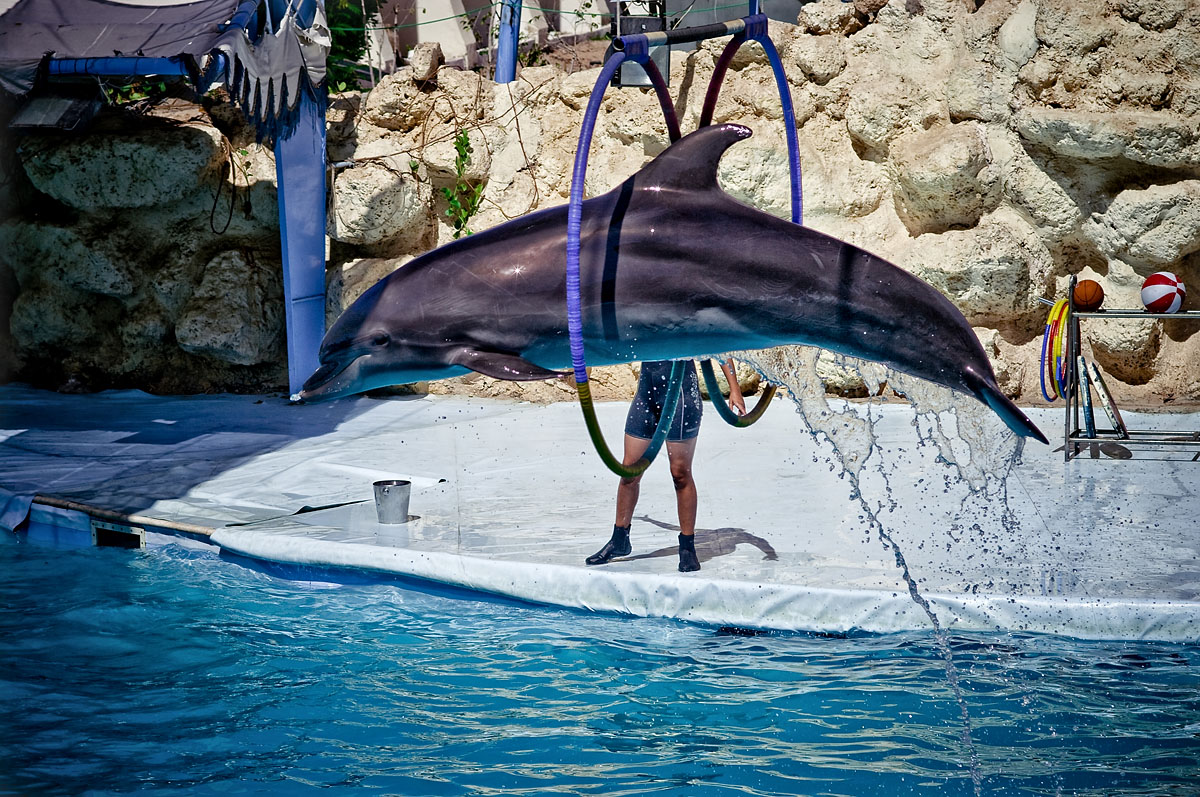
x=120 y=66
x=242 y=18
x=300 y=174
x=507 y=40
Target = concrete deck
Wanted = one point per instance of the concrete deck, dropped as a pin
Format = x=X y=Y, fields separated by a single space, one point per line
x=510 y=499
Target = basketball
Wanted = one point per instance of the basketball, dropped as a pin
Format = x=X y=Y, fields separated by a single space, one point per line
x=1088 y=296
x=1163 y=292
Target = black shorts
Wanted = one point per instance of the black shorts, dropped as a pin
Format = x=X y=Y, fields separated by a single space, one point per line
x=647 y=405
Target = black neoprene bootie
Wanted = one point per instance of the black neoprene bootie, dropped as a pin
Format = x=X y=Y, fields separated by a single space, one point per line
x=687 y=553
x=617 y=546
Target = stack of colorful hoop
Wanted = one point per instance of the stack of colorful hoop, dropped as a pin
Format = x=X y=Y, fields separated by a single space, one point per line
x=1054 y=359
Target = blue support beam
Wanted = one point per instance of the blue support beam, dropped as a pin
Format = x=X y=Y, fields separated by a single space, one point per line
x=507 y=40
x=119 y=66
x=300 y=174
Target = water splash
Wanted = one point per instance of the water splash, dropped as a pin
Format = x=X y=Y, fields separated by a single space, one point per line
x=974 y=446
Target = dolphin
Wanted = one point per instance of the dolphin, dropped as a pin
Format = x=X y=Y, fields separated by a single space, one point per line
x=671 y=267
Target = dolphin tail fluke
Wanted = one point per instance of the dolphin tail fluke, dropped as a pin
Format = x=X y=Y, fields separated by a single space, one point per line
x=1010 y=413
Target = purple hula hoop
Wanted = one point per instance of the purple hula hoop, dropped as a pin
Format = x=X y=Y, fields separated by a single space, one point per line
x=756 y=29
x=575 y=203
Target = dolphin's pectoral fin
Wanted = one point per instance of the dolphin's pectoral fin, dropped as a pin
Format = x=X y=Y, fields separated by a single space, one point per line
x=502 y=366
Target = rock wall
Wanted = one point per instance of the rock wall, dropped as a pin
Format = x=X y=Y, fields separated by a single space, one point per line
x=994 y=148
x=145 y=253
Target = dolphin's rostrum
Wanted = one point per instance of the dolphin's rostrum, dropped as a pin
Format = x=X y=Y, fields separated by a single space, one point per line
x=670 y=267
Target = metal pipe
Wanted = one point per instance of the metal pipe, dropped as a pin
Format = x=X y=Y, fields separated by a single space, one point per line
x=242 y=17
x=123 y=518
x=659 y=38
x=119 y=66
x=1141 y=314
x=508 y=38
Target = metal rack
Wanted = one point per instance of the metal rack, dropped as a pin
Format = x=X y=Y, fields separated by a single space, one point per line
x=1073 y=436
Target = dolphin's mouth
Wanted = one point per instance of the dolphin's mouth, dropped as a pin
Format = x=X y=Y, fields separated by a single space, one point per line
x=324 y=383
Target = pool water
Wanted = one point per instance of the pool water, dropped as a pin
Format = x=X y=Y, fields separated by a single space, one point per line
x=176 y=671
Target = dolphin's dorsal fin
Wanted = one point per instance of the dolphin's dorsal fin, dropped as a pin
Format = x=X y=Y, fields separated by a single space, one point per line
x=690 y=164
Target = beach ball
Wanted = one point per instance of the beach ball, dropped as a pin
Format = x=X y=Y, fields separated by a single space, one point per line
x=1088 y=296
x=1163 y=292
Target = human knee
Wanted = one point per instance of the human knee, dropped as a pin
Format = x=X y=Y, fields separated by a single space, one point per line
x=682 y=476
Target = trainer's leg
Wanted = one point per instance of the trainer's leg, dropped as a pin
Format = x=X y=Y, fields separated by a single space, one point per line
x=681 y=454
x=627 y=496
x=630 y=488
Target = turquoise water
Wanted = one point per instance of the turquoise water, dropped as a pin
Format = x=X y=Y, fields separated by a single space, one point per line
x=174 y=671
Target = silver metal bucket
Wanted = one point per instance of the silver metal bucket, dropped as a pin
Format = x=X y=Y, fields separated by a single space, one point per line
x=391 y=501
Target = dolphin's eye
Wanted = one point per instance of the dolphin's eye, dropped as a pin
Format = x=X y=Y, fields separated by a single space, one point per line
x=380 y=339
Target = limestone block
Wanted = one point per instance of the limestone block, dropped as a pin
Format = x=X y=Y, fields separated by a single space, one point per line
x=43 y=317
x=991 y=272
x=978 y=90
x=1125 y=349
x=1074 y=28
x=381 y=203
x=145 y=327
x=867 y=7
x=518 y=148
x=884 y=108
x=820 y=58
x=132 y=169
x=1153 y=227
x=756 y=172
x=345 y=282
x=1017 y=38
x=236 y=312
x=256 y=205
x=469 y=95
x=439 y=156
x=837 y=183
x=943 y=177
x=172 y=285
x=1073 y=134
x=1155 y=15
x=396 y=103
x=341 y=124
x=828 y=16
x=749 y=54
x=425 y=59
x=1006 y=361
x=1154 y=138
x=576 y=88
x=47 y=254
x=401 y=103
x=536 y=86
x=841 y=375
x=1026 y=184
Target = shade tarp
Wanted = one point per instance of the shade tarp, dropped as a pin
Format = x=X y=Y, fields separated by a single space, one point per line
x=265 y=76
x=31 y=30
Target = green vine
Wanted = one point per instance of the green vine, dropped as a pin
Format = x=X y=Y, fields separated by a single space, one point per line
x=462 y=198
